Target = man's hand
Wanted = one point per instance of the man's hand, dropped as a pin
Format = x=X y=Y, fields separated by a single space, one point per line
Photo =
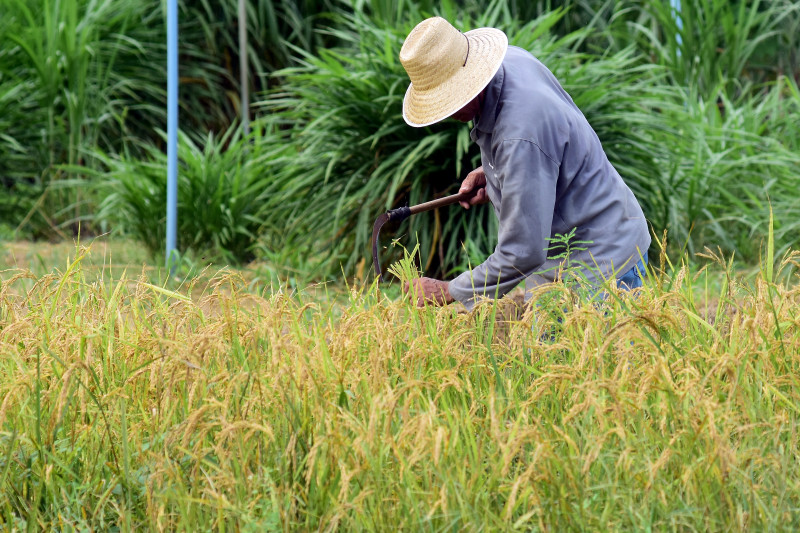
x=432 y=291
x=475 y=180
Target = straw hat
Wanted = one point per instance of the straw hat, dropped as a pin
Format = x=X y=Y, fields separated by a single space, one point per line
x=447 y=68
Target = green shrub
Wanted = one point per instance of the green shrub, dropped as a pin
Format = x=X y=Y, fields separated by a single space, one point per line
x=221 y=194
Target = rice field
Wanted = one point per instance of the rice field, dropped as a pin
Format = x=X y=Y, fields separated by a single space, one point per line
x=128 y=404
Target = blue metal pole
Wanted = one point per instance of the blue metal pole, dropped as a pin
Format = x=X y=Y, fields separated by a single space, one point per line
x=676 y=10
x=172 y=129
x=245 y=97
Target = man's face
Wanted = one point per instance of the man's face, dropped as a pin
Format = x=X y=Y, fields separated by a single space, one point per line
x=469 y=111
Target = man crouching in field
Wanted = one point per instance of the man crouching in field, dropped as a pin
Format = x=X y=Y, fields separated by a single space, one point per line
x=543 y=167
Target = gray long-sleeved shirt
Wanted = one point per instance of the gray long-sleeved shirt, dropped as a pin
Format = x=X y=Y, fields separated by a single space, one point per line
x=547 y=174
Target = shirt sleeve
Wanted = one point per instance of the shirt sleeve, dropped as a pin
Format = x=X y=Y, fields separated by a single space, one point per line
x=526 y=178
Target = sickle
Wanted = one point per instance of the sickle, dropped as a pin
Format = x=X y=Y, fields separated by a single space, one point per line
x=402 y=213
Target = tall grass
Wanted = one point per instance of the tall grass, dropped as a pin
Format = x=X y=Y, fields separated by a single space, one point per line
x=700 y=120
x=83 y=75
x=56 y=61
x=127 y=404
x=79 y=68
x=734 y=159
x=708 y=43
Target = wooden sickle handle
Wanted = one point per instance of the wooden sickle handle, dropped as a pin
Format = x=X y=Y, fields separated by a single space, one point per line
x=442 y=202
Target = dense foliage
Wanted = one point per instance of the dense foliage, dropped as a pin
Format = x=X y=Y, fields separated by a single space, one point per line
x=697 y=109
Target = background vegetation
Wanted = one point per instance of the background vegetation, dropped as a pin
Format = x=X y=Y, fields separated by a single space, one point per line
x=697 y=109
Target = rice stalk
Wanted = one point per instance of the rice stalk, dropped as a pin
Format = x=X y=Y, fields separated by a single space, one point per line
x=209 y=405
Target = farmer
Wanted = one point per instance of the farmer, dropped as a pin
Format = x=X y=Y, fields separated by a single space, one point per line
x=543 y=168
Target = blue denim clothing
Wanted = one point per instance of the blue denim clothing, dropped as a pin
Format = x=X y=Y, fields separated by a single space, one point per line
x=632 y=279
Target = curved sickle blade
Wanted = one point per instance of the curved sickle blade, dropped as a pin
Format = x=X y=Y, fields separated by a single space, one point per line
x=376 y=230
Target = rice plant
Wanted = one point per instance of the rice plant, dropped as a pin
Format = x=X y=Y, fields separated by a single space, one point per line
x=134 y=404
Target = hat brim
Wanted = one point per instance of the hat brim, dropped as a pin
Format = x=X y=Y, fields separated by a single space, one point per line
x=487 y=48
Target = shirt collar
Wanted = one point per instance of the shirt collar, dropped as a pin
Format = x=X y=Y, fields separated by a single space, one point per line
x=488 y=113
